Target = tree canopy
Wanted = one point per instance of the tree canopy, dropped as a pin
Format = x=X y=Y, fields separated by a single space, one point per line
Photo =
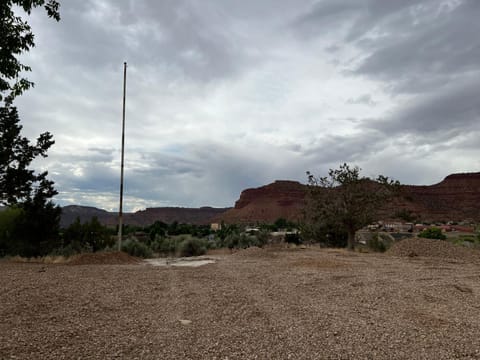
x=16 y=37
x=345 y=201
x=35 y=229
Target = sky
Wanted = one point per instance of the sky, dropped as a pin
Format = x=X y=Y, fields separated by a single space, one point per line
x=224 y=95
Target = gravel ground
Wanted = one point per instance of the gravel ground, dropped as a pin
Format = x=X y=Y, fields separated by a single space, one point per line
x=257 y=304
x=433 y=248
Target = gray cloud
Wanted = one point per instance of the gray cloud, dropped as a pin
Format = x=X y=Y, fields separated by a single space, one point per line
x=226 y=95
x=365 y=99
x=454 y=109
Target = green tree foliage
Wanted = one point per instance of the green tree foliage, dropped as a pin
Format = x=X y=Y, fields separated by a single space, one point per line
x=17 y=180
x=157 y=229
x=432 y=233
x=8 y=220
x=36 y=228
x=20 y=186
x=345 y=201
x=90 y=236
x=137 y=248
x=16 y=37
x=226 y=230
x=193 y=247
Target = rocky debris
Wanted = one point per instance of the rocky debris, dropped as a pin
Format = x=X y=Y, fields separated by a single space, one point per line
x=250 y=251
x=103 y=258
x=414 y=247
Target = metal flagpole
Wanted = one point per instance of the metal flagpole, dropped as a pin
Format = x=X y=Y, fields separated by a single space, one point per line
x=120 y=210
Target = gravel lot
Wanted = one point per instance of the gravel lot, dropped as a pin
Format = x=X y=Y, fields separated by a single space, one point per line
x=265 y=304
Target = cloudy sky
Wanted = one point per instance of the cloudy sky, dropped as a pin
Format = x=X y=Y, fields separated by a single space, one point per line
x=223 y=95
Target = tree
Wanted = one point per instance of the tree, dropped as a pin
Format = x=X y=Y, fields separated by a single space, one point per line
x=17 y=180
x=91 y=235
x=345 y=201
x=16 y=153
x=36 y=229
x=432 y=233
x=16 y=37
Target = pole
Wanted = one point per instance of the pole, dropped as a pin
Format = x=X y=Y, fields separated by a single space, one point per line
x=120 y=210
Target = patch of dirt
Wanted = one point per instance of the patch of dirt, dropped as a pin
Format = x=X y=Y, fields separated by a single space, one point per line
x=432 y=248
x=252 y=251
x=317 y=263
x=103 y=258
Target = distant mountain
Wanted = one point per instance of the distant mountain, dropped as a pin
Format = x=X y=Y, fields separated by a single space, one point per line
x=146 y=217
x=84 y=213
x=457 y=197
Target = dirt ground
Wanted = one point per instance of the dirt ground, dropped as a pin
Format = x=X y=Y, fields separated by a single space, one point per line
x=253 y=304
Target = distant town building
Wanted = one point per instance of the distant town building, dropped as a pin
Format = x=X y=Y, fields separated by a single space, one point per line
x=215 y=226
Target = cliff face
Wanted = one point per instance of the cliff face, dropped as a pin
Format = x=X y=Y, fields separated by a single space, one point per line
x=281 y=199
x=457 y=197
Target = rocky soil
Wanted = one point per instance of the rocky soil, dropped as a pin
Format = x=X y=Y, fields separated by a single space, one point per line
x=434 y=249
x=257 y=304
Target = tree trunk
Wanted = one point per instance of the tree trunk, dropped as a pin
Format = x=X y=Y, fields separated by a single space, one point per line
x=351 y=239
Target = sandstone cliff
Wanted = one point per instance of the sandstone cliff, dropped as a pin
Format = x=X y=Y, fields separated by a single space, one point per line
x=457 y=197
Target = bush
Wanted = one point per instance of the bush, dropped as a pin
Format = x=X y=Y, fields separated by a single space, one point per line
x=8 y=220
x=243 y=241
x=136 y=248
x=376 y=244
x=293 y=238
x=66 y=251
x=90 y=236
x=432 y=233
x=193 y=247
x=165 y=245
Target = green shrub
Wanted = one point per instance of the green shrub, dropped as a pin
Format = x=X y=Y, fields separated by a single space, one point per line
x=193 y=247
x=65 y=251
x=432 y=233
x=136 y=248
x=376 y=244
x=293 y=238
x=243 y=241
x=8 y=220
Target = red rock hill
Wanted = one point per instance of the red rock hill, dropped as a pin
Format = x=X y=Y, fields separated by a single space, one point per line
x=457 y=197
x=281 y=199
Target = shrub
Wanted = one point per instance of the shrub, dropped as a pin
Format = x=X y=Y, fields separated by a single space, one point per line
x=293 y=238
x=65 y=251
x=8 y=219
x=432 y=233
x=193 y=247
x=243 y=241
x=376 y=244
x=91 y=235
x=136 y=248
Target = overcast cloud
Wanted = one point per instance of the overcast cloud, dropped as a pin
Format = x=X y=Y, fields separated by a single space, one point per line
x=223 y=95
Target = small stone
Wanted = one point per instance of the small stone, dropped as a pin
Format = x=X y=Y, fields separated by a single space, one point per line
x=185 y=322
